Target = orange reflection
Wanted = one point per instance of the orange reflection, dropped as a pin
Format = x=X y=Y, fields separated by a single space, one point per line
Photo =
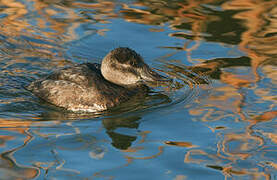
x=257 y=41
x=9 y=167
x=180 y=144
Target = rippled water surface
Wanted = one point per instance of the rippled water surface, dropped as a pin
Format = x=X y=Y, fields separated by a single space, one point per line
x=218 y=120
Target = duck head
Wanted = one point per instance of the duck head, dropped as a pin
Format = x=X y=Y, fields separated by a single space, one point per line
x=123 y=66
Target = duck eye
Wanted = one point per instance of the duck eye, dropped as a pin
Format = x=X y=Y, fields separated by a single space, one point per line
x=134 y=63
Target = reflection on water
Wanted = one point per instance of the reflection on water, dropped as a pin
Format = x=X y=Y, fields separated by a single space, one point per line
x=217 y=120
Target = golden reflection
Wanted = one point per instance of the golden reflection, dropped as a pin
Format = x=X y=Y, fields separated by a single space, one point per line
x=229 y=172
x=214 y=106
x=176 y=14
x=243 y=145
x=180 y=177
x=160 y=151
x=253 y=30
x=54 y=24
x=258 y=40
x=10 y=169
x=180 y=144
x=189 y=157
x=15 y=10
x=270 y=71
x=237 y=81
x=15 y=125
x=266 y=116
x=202 y=157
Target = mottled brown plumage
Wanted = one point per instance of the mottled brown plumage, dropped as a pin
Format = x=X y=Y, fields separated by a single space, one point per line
x=82 y=87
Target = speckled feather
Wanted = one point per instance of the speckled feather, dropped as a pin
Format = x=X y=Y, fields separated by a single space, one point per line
x=80 y=88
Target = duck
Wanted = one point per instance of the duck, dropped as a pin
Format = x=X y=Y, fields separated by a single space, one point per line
x=91 y=87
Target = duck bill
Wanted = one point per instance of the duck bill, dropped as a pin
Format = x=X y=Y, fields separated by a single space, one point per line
x=151 y=77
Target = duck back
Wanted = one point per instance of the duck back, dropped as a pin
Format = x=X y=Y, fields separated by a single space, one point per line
x=80 y=88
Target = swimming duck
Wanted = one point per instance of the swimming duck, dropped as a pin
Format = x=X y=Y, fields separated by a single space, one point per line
x=90 y=87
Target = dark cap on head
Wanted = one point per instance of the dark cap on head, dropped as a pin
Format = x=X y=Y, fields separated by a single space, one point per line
x=126 y=56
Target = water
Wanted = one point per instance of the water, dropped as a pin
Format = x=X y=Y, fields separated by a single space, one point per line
x=217 y=122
